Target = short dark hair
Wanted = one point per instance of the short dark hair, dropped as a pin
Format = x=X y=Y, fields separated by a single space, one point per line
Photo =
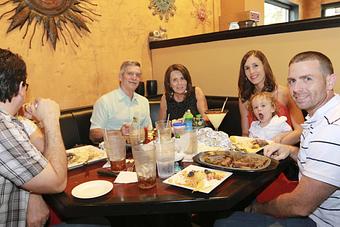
x=185 y=72
x=326 y=66
x=12 y=73
x=245 y=87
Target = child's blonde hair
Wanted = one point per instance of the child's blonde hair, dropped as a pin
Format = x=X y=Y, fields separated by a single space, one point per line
x=266 y=95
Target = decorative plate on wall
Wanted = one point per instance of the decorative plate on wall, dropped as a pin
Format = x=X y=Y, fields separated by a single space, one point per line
x=163 y=8
x=58 y=17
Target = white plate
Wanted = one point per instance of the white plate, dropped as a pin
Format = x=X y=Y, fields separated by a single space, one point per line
x=86 y=155
x=92 y=189
x=179 y=179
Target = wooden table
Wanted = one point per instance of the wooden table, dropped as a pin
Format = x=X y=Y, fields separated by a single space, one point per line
x=161 y=201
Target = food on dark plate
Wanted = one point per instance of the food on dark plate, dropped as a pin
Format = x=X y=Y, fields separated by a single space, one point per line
x=236 y=160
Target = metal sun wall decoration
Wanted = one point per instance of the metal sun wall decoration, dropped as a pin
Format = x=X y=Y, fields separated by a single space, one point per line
x=200 y=12
x=58 y=17
x=164 y=8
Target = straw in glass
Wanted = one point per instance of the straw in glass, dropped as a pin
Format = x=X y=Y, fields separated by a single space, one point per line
x=225 y=102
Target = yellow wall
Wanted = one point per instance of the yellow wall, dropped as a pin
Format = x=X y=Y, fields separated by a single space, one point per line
x=214 y=66
x=78 y=76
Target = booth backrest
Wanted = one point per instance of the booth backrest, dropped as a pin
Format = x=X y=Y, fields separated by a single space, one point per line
x=69 y=130
x=75 y=126
x=75 y=123
x=154 y=111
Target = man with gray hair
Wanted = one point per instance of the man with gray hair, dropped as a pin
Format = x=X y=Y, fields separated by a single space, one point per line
x=316 y=199
x=116 y=109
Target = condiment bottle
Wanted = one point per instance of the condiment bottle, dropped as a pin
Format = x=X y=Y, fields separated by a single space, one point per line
x=199 y=121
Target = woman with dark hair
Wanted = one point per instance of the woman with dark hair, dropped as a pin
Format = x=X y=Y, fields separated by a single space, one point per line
x=180 y=95
x=256 y=76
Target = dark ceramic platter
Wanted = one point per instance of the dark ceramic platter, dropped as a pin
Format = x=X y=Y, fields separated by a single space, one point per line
x=270 y=166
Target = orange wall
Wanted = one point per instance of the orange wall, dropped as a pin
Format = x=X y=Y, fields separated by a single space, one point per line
x=78 y=76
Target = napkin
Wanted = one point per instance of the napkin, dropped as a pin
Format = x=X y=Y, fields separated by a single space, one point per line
x=125 y=177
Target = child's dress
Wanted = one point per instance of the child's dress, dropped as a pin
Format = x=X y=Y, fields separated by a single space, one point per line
x=277 y=125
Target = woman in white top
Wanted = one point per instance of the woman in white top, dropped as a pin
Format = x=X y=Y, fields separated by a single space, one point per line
x=269 y=125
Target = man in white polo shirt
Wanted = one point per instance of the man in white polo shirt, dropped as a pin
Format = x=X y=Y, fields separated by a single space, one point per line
x=118 y=107
x=316 y=199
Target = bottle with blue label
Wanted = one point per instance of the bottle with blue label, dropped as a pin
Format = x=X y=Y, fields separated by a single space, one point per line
x=188 y=117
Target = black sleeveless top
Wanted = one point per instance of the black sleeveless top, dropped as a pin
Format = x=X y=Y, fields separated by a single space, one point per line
x=177 y=109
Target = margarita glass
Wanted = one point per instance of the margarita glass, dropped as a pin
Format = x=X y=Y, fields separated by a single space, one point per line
x=216 y=117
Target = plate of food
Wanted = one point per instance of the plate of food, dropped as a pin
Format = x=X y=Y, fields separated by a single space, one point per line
x=235 y=161
x=197 y=178
x=247 y=144
x=80 y=156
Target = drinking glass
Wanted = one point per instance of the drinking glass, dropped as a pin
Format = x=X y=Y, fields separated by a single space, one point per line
x=163 y=130
x=145 y=163
x=188 y=142
x=216 y=117
x=114 y=144
x=165 y=157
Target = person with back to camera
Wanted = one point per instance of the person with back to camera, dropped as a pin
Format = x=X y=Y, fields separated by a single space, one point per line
x=180 y=95
x=256 y=76
x=116 y=109
x=29 y=167
x=268 y=125
x=25 y=173
x=315 y=201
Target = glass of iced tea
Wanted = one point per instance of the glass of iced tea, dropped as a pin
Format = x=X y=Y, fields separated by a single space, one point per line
x=145 y=164
x=115 y=147
x=163 y=130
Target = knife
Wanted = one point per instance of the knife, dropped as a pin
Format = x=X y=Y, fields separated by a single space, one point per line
x=107 y=173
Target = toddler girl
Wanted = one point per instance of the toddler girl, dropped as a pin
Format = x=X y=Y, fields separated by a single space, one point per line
x=269 y=125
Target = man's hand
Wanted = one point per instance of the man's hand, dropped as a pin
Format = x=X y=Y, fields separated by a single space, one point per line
x=45 y=110
x=276 y=151
x=37 y=211
x=125 y=129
